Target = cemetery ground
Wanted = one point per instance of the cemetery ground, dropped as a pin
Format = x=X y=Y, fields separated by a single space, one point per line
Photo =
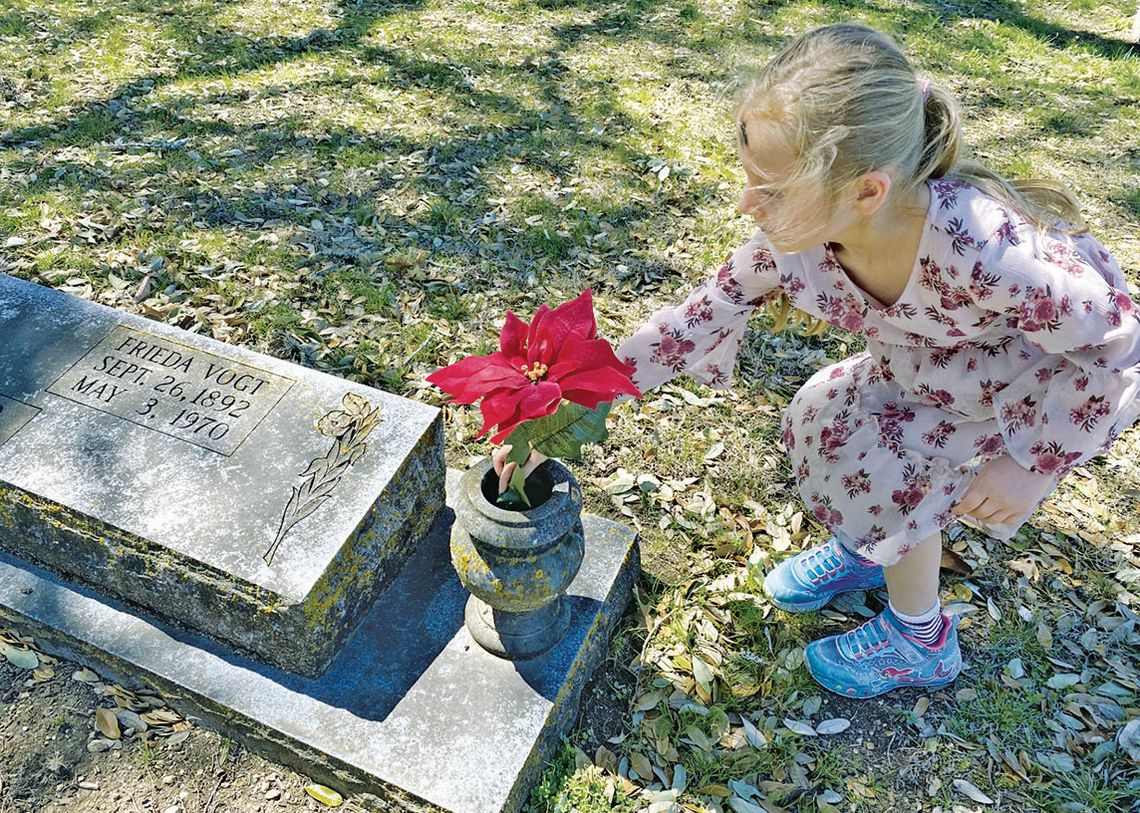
x=365 y=187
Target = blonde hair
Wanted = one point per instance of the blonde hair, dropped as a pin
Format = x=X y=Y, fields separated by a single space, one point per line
x=848 y=102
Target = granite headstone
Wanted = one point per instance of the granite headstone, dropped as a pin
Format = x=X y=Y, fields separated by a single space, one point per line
x=255 y=501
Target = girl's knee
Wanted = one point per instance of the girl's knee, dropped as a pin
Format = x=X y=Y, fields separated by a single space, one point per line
x=823 y=387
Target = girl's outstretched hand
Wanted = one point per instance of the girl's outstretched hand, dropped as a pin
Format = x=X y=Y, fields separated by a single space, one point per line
x=505 y=470
x=1003 y=492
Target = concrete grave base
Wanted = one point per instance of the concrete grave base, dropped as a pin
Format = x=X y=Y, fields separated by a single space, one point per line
x=412 y=714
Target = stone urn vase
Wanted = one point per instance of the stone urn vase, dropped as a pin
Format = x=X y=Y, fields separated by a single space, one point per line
x=518 y=563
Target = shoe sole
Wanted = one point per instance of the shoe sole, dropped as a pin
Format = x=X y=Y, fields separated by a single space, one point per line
x=866 y=694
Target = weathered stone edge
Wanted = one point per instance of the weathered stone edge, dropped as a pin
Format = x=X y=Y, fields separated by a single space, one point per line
x=415 y=495
x=330 y=770
x=75 y=545
x=69 y=521
x=591 y=654
x=242 y=614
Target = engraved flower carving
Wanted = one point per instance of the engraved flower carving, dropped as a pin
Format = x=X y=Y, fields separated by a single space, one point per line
x=349 y=427
x=339 y=422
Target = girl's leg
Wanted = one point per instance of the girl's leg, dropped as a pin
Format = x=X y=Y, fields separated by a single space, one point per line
x=912 y=587
x=912 y=583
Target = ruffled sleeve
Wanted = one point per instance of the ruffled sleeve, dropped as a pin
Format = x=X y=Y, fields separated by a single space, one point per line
x=701 y=336
x=1069 y=300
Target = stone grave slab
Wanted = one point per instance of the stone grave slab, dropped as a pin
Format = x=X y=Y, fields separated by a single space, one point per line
x=242 y=496
x=412 y=714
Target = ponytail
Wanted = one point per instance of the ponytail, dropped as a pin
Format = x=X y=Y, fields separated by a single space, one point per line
x=942 y=134
x=1047 y=204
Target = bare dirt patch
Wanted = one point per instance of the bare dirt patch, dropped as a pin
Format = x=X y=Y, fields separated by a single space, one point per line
x=46 y=767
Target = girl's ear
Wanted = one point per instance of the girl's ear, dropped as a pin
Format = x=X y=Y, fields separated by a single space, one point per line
x=871 y=192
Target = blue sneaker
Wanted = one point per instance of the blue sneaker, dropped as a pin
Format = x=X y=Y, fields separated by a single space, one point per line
x=879 y=655
x=810 y=579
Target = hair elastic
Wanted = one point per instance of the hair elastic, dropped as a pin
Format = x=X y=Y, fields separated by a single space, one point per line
x=925 y=85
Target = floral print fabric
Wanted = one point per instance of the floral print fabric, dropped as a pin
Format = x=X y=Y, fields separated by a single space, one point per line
x=1005 y=340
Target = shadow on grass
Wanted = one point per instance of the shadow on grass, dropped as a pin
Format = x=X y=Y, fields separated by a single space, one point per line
x=551 y=118
x=1056 y=35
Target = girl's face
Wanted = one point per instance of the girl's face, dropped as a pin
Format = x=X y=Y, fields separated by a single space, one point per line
x=793 y=214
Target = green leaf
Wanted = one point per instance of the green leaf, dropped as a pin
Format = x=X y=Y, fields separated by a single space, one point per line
x=519 y=441
x=562 y=434
x=325 y=795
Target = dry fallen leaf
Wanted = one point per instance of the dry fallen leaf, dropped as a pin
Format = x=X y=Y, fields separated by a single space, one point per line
x=174 y=740
x=160 y=717
x=713 y=790
x=1128 y=738
x=107 y=723
x=605 y=759
x=754 y=736
x=703 y=674
x=130 y=719
x=641 y=764
x=649 y=700
x=833 y=726
x=799 y=727
x=100 y=744
x=1063 y=680
x=970 y=790
x=956 y=564
x=744 y=806
x=21 y=658
x=860 y=789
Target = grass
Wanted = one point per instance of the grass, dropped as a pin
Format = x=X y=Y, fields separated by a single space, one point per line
x=1089 y=789
x=366 y=187
x=1013 y=715
x=566 y=789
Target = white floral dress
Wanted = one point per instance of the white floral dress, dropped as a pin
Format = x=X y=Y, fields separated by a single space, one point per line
x=1005 y=340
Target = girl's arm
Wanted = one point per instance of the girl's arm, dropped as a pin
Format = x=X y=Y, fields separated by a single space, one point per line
x=701 y=336
x=1075 y=307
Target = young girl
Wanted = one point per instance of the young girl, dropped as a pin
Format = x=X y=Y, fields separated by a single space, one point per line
x=1002 y=346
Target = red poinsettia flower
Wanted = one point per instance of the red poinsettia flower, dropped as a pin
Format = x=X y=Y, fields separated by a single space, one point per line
x=556 y=356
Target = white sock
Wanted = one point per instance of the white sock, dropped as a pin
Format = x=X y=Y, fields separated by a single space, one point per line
x=926 y=627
